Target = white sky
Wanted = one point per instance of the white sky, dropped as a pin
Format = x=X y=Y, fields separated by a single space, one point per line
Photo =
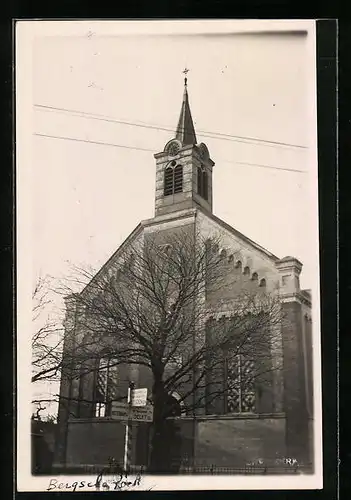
x=87 y=198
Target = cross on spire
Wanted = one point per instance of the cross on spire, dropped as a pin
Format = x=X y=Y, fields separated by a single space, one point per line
x=185 y=132
x=186 y=71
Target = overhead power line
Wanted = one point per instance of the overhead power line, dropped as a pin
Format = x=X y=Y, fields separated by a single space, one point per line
x=89 y=141
x=101 y=143
x=213 y=135
x=270 y=166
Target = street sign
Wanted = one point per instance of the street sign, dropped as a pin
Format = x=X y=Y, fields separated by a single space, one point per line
x=119 y=411
x=139 y=397
x=123 y=411
x=142 y=413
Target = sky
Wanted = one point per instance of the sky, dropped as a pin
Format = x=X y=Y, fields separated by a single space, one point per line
x=96 y=100
x=99 y=99
x=87 y=198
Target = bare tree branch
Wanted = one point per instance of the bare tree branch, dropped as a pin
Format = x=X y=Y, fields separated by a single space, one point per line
x=151 y=308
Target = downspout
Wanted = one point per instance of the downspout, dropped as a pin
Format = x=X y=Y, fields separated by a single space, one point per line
x=194 y=371
x=70 y=388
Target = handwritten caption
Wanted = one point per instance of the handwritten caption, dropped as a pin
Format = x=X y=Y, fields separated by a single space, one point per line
x=105 y=483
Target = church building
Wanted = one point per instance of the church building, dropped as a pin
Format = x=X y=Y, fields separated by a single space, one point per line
x=246 y=426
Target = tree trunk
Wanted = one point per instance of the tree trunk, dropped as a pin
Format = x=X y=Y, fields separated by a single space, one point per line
x=160 y=456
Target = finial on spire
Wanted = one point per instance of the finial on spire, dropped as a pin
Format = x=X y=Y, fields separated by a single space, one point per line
x=185 y=132
x=186 y=71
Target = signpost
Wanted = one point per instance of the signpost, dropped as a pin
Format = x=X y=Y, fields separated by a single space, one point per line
x=135 y=410
x=139 y=397
x=142 y=414
x=128 y=429
x=123 y=411
x=119 y=411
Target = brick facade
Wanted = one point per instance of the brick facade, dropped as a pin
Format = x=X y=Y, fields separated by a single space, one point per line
x=284 y=398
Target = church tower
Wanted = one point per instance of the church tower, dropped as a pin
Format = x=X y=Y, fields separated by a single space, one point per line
x=183 y=168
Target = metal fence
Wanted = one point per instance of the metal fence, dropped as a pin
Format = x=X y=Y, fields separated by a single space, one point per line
x=244 y=470
x=213 y=469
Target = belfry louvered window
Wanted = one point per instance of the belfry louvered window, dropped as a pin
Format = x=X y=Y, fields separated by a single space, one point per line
x=173 y=180
x=106 y=382
x=202 y=182
x=178 y=179
x=239 y=379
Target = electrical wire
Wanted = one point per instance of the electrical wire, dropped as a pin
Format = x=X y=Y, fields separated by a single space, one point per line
x=100 y=143
x=213 y=135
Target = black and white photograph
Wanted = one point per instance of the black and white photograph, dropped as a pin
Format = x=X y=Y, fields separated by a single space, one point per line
x=168 y=301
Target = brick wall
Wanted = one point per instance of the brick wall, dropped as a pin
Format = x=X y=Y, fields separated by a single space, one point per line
x=295 y=407
x=94 y=441
x=236 y=442
x=227 y=442
x=241 y=250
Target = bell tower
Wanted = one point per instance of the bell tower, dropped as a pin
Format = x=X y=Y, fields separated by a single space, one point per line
x=183 y=168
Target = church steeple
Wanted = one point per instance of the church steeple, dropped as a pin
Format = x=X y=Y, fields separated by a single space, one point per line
x=183 y=168
x=185 y=132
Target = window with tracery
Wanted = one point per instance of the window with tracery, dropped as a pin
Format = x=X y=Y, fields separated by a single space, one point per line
x=106 y=382
x=173 y=179
x=240 y=383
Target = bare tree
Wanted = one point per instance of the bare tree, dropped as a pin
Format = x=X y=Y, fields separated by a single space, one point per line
x=151 y=309
x=47 y=336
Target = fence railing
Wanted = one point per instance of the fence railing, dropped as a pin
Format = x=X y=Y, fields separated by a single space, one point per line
x=279 y=468
x=200 y=469
x=246 y=470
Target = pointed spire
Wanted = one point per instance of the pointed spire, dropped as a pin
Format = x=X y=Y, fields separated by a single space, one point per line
x=185 y=131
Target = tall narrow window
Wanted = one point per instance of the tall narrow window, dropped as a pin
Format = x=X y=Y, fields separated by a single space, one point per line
x=202 y=182
x=240 y=385
x=205 y=185
x=105 y=386
x=246 y=270
x=199 y=181
x=84 y=395
x=178 y=179
x=173 y=179
x=168 y=184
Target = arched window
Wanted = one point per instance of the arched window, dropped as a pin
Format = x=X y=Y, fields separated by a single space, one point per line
x=238 y=265
x=113 y=283
x=105 y=385
x=263 y=282
x=202 y=182
x=131 y=260
x=168 y=182
x=165 y=249
x=205 y=185
x=97 y=303
x=246 y=270
x=223 y=254
x=239 y=380
x=173 y=179
x=199 y=181
x=254 y=277
x=215 y=248
x=178 y=179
